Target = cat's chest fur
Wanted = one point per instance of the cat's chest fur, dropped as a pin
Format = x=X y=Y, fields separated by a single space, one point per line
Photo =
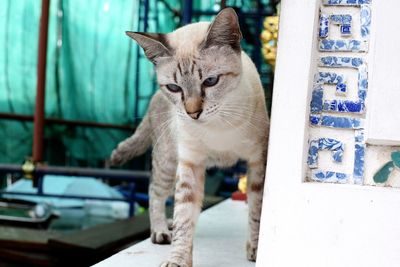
x=219 y=145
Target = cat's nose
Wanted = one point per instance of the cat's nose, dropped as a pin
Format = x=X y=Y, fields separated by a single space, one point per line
x=195 y=115
x=194 y=107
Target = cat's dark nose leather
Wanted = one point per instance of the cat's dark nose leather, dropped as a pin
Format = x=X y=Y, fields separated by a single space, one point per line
x=195 y=115
x=194 y=106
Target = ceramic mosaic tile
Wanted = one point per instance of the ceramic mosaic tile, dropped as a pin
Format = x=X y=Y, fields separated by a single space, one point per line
x=341 y=89
x=320 y=107
x=359 y=157
x=362 y=82
x=336 y=122
x=345 y=29
x=343 y=106
x=365 y=21
x=341 y=19
x=313 y=154
x=323 y=25
x=327 y=45
x=382 y=175
x=333 y=78
x=345 y=2
x=344 y=21
x=317 y=99
x=330 y=78
x=330 y=177
x=396 y=158
x=338 y=62
x=333 y=145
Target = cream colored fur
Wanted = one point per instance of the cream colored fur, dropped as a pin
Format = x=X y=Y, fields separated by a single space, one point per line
x=233 y=124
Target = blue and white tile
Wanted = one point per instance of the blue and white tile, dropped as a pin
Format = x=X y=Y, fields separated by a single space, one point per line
x=359 y=157
x=333 y=78
x=344 y=106
x=336 y=122
x=362 y=82
x=339 y=62
x=330 y=78
x=345 y=30
x=345 y=2
x=341 y=89
x=365 y=15
x=333 y=145
x=329 y=177
x=313 y=154
x=317 y=99
x=330 y=144
x=323 y=25
x=328 y=45
x=341 y=19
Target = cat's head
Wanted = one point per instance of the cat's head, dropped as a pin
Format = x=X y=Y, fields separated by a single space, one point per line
x=196 y=65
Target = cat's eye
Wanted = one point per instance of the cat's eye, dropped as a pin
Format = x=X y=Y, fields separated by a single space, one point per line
x=211 y=81
x=174 y=88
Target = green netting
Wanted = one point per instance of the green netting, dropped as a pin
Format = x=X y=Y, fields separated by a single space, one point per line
x=93 y=72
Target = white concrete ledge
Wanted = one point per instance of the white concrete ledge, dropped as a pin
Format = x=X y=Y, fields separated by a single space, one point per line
x=220 y=241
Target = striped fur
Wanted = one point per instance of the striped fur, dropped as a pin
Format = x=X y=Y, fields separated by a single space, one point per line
x=232 y=124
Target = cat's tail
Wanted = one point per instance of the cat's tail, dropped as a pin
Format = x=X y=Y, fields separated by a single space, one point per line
x=133 y=146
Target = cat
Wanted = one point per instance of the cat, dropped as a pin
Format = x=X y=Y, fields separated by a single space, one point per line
x=210 y=111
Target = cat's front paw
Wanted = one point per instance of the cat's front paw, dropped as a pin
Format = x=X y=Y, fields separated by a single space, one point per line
x=251 y=252
x=160 y=237
x=117 y=158
x=171 y=264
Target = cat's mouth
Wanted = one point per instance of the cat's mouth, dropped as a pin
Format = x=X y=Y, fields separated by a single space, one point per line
x=195 y=115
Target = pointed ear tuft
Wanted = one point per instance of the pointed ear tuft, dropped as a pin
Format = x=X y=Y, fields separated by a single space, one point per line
x=155 y=45
x=224 y=30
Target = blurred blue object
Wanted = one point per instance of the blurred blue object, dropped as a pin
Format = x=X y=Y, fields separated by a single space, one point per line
x=73 y=186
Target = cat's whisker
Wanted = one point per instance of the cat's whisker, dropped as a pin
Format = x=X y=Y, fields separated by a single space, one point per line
x=247 y=118
x=247 y=122
x=157 y=115
x=166 y=127
x=244 y=112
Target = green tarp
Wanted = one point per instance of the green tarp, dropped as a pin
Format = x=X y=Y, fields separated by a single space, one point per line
x=93 y=73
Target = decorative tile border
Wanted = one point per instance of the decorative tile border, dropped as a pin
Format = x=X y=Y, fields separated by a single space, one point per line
x=321 y=110
x=333 y=145
x=337 y=149
x=329 y=177
x=326 y=45
x=343 y=106
x=365 y=14
x=345 y=2
x=341 y=19
x=344 y=21
x=333 y=78
x=323 y=25
x=336 y=122
x=359 y=157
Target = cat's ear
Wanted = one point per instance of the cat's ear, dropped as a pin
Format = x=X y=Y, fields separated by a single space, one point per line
x=155 y=45
x=224 y=30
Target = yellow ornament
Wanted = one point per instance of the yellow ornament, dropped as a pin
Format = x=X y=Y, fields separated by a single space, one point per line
x=269 y=39
x=28 y=168
x=242 y=186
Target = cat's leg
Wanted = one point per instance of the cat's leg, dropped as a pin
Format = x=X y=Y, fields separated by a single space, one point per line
x=189 y=195
x=255 y=186
x=163 y=179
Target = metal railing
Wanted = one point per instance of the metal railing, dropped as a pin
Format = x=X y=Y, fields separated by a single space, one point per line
x=39 y=173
